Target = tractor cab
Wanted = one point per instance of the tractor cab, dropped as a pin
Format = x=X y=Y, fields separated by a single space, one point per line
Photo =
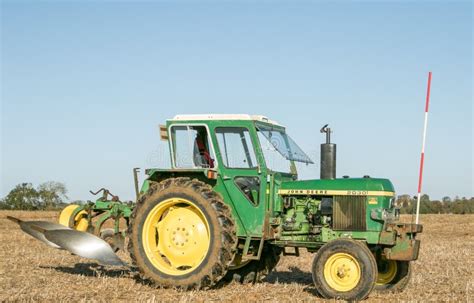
x=234 y=141
x=246 y=154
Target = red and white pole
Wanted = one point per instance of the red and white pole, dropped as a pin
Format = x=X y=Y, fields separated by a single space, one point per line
x=420 y=178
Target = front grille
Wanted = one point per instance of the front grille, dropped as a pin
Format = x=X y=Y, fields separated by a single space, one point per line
x=349 y=213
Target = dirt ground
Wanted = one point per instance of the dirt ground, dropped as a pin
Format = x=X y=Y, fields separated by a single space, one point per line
x=31 y=271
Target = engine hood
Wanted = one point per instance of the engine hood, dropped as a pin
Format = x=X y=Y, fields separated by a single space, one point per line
x=345 y=186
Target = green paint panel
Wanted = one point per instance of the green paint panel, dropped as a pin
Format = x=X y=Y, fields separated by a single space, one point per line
x=356 y=184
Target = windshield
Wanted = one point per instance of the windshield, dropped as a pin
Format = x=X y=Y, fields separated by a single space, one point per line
x=282 y=143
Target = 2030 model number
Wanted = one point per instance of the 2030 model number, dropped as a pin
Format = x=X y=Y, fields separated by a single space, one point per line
x=357 y=192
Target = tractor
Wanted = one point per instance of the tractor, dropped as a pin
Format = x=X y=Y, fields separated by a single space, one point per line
x=232 y=204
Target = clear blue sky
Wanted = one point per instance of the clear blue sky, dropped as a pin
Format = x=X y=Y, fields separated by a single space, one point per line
x=85 y=84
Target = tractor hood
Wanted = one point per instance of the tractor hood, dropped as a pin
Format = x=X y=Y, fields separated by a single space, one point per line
x=345 y=186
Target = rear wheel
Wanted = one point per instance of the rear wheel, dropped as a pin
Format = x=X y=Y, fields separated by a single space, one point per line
x=253 y=271
x=79 y=222
x=393 y=276
x=182 y=234
x=344 y=269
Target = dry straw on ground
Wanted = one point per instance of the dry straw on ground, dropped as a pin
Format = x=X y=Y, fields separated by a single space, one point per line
x=31 y=271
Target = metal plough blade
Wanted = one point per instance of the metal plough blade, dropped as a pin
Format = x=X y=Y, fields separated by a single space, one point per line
x=77 y=242
x=29 y=228
x=85 y=245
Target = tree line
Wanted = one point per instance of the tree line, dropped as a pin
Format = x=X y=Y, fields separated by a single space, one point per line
x=447 y=205
x=46 y=196
x=53 y=195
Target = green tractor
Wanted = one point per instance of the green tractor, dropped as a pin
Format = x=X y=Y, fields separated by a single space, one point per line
x=232 y=204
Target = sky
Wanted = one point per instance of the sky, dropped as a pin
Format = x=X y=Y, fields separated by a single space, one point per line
x=84 y=85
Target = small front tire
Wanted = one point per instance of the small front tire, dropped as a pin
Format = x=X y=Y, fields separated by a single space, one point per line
x=393 y=276
x=344 y=269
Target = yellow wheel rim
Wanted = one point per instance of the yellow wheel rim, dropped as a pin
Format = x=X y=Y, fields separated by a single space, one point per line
x=342 y=272
x=387 y=271
x=176 y=236
x=80 y=221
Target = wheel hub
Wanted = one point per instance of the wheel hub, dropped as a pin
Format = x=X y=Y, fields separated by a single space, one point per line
x=342 y=272
x=180 y=236
x=387 y=270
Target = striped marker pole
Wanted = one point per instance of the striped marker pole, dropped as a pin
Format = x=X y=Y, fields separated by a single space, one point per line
x=420 y=179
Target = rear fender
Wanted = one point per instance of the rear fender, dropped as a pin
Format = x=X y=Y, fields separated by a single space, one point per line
x=158 y=175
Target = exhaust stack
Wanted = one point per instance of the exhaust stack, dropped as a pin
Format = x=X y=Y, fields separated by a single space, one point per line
x=328 y=156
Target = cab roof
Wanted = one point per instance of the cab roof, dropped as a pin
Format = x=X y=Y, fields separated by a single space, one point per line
x=208 y=117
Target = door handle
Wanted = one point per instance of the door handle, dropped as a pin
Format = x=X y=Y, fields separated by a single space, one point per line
x=226 y=178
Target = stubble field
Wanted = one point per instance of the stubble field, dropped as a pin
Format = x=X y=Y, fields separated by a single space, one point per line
x=31 y=271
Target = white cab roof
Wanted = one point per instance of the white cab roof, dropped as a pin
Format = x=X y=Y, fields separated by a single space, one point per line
x=224 y=117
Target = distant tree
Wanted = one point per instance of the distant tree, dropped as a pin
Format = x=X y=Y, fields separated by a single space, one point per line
x=446 y=206
x=408 y=204
x=436 y=207
x=403 y=201
x=24 y=197
x=446 y=199
x=469 y=206
x=462 y=206
x=52 y=194
x=46 y=196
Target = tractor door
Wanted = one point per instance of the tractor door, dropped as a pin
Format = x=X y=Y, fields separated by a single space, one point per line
x=239 y=171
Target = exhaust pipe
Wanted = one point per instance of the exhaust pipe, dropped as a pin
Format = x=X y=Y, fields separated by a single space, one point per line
x=328 y=156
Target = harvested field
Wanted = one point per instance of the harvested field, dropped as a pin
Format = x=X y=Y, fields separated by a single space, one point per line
x=31 y=271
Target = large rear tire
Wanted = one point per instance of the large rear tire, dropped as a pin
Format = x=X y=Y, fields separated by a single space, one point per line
x=344 y=269
x=182 y=235
x=255 y=270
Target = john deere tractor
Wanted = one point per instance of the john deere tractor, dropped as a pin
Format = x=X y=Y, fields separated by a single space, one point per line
x=232 y=204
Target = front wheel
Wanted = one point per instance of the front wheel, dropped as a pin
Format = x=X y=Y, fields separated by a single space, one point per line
x=393 y=276
x=344 y=269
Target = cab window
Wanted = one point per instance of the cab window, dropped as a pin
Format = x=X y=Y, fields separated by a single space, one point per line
x=191 y=147
x=236 y=148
